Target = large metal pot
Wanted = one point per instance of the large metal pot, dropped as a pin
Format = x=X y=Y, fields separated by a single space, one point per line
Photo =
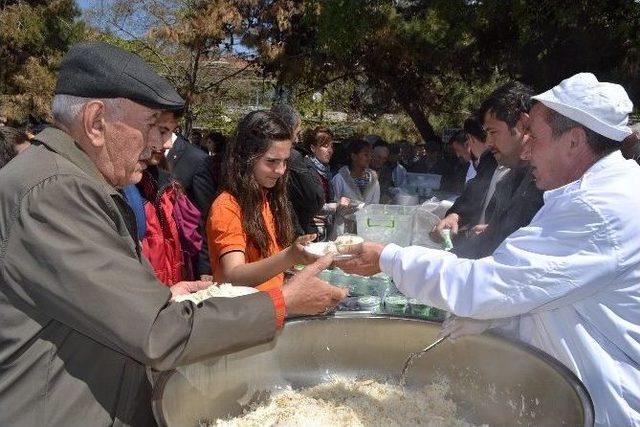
x=493 y=381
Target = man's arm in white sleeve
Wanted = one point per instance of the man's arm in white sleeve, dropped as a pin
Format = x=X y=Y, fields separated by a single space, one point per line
x=534 y=266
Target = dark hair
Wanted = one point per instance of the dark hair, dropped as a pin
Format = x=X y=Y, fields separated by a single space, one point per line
x=254 y=135
x=6 y=150
x=320 y=135
x=460 y=137
x=394 y=149
x=507 y=103
x=600 y=144
x=381 y=143
x=473 y=127
x=355 y=147
x=288 y=115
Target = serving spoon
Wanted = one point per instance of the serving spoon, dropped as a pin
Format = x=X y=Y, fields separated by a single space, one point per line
x=413 y=356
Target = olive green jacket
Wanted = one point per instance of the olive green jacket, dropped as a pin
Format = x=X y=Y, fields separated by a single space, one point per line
x=81 y=313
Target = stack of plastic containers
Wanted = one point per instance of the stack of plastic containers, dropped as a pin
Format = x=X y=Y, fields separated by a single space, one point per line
x=378 y=294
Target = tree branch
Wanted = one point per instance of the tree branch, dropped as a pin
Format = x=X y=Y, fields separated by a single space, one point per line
x=222 y=80
x=335 y=79
x=147 y=46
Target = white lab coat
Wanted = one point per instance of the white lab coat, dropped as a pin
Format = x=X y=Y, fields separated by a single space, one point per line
x=571 y=278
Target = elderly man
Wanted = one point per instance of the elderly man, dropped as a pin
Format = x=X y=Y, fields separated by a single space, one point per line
x=391 y=174
x=569 y=282
x=379 y=163
x=82 y=313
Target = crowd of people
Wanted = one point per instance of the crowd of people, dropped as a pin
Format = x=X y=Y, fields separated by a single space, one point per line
x=110 y=213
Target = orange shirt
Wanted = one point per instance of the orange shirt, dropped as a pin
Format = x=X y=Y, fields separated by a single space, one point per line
x=225 y=234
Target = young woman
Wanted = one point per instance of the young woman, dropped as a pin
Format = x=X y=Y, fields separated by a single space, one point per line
x=357 y=182
x=319 y=144
x=250 y=229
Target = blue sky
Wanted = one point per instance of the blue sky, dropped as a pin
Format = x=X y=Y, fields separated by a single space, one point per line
x=237 y=48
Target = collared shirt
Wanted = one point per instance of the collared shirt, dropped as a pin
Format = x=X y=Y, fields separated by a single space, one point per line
x=471 y=172
x=571 y=278
x=498 y=174
x=174 y=137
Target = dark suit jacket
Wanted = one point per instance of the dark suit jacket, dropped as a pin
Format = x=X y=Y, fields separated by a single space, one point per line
x=184 y=159
x=513 y=205
x=305 y=193
x=469 y=205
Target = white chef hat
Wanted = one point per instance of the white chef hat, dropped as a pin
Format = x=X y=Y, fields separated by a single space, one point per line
x=600 y=106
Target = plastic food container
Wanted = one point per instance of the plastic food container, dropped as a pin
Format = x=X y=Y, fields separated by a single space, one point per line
x=340 y=279
x=359 y=286
x=378 y=285
x=369 y=303
x=386 y=223
x=418 y=309
x=437 y=314
x=325 y=275
x=395 y=304
x=349 y=304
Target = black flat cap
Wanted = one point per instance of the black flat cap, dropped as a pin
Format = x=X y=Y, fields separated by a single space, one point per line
x=101 y=70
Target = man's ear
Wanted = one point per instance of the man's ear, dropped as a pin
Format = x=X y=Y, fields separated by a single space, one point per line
x=578 y=137
x=523 y=122
x=523 y=126
x=93 y=122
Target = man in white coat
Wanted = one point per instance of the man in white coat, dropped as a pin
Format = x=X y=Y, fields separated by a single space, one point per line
x=569 y=282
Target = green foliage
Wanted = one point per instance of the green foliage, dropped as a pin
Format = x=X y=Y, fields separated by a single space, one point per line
x=388 y=61
x=410 y=67
x=34 y=35
x=186 y=42
x=436 y=59
x=546 y=41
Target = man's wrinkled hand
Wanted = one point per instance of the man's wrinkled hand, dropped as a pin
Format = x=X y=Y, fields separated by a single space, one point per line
x=450 y=221
x=184 y=288
x=366 y=263
x=305 y=294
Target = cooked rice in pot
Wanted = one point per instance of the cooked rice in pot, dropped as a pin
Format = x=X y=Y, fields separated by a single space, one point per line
x=349 y=402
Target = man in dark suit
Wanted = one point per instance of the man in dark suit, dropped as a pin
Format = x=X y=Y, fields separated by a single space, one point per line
x=469 y=209
x=516 y=198
x=185 y=159
x=305 y=189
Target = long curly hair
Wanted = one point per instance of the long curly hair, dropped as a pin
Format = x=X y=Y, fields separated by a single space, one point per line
x=254 y=136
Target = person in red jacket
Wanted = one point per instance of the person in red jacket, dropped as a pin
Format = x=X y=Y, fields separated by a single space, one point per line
x=171 y=242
